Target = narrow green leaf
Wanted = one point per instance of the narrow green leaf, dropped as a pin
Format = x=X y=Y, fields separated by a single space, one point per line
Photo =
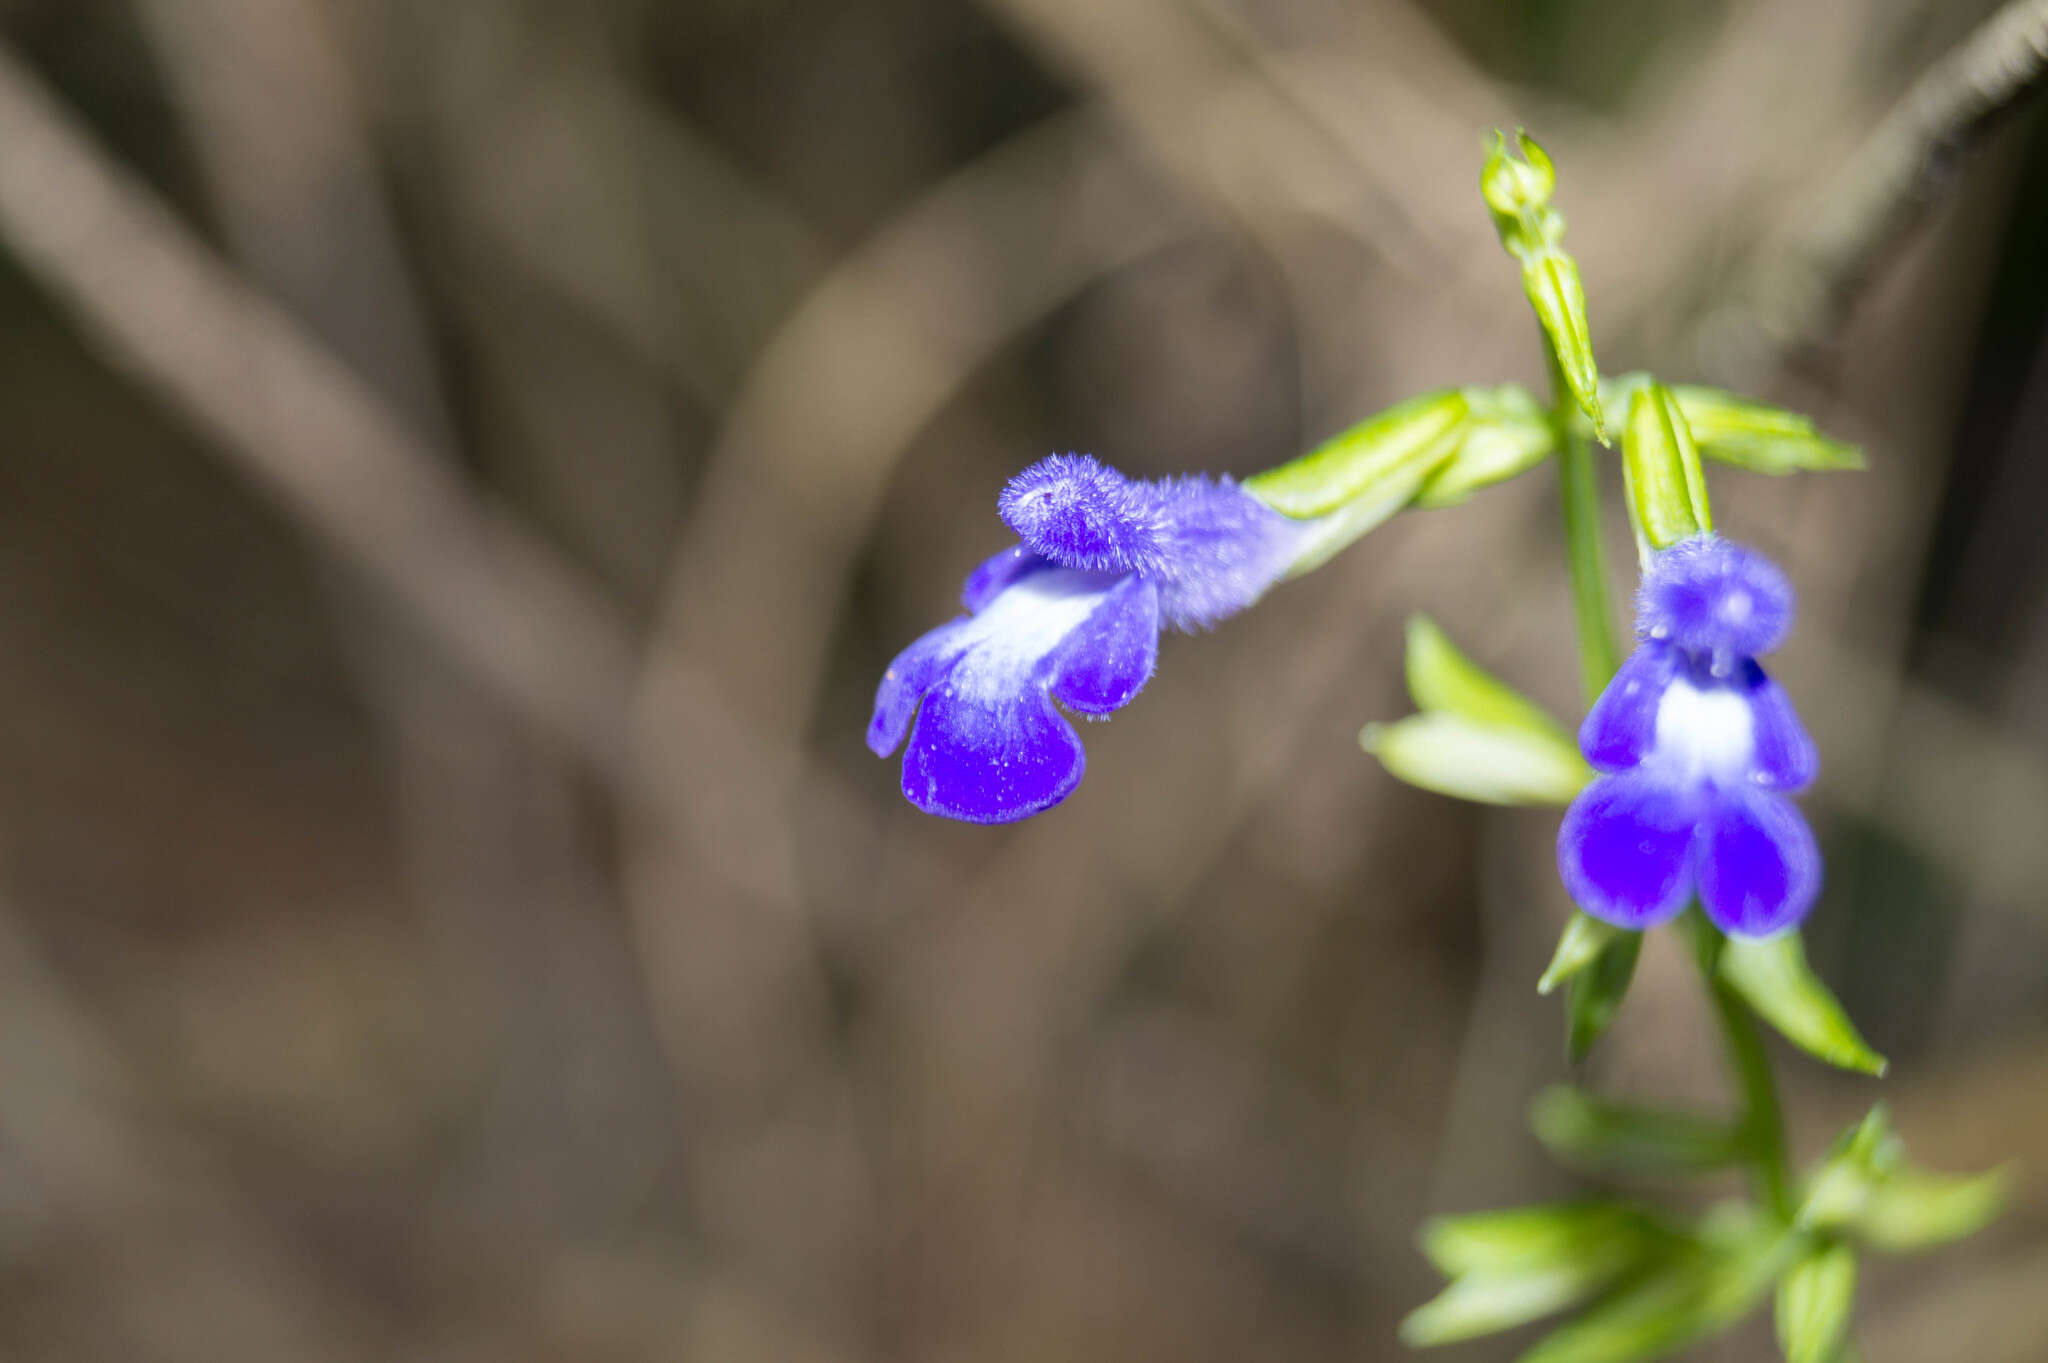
x=1551 y=280
x=1693 y=1295
x=1483 y=1304
x=1440 y=677
x=1617 y=1137
x=1490 y=763
x=1595 y=994
x=1814 y=1302
x=1771 y=973
x=1661 y=464
x=1760 y=438
x=1537 y=1239
x=1506 y=434
x=1397 y=448
x=1915 y=1209
x=1584 y=938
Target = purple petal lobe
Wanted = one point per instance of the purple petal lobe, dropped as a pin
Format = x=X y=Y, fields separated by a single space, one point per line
x=1625 y=849
x=1785 y=758
x=995 y=573
x=988 y=746
x=913 y=673
x=990 y=759
x=1621 y=728
x=1759 y=865
x=1716 y=598
x=1081 y=514
x=1109 y=658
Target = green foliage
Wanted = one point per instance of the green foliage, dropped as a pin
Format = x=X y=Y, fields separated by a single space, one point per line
x=1584 y=938
x=1814 y=1301
x=1506 y=434
x=1667 y=491
x=1595 y=993
x=1517 y=191
x=1508 y=1268
x=1476 y=738
x=1772 y=976
x=1609 y=1137
x=1395 y=449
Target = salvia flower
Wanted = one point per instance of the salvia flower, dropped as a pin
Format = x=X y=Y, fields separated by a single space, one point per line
x=1071 y=615
x=1698 y=750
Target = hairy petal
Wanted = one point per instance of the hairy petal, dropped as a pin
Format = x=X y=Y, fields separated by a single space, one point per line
x=1110 y=657
x=1624 y=850
x=1080 y=513
x=1785 y=758
x=1759 y=865
x=1220 y=549
x=1621 y=728
x=1714 y=597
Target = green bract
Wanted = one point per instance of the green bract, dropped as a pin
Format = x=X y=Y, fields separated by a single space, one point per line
x=1667 y=492
x=1772 y=975
x=1506 y=433
x=1814 y=1298
x=1507 y=1268
x=1476 y=738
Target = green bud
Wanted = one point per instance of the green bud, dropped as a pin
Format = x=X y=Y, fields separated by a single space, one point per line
x=1616 y=1137
x=1814 y=1300
x=1517 y=190
x=1762 y=439
x=1551 y=279
x=1506 y=434
x=1772 y=975
x=1666 y=489
x=1595 y=994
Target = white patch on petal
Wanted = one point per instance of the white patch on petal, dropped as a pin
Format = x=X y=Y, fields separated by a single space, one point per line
x=1019 y=627
x=1705 y=733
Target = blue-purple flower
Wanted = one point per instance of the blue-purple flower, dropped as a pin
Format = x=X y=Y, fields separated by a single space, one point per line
x=1698 y=750
x=1071 y=615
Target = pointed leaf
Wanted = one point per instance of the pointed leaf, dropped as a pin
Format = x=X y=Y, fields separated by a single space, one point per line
x=1814 y=1302
x=1540 y=1238
x=1617 y=1137
x=1667 y=491
x=1595 y=994
x=1760 y=438
x=1915 y=1209
x=1584 y=938
x=1442 y=678
x=1771 y=973
x=1490 y=763
x=1693 y=1295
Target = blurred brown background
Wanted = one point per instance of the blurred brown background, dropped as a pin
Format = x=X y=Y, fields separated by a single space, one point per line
x=465 y=463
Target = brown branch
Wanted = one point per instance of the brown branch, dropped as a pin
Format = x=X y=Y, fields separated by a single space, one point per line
x=1804 y=287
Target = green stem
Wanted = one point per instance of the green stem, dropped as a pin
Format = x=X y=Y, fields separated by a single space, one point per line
x=1579 y=488
x=1763 y=1118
